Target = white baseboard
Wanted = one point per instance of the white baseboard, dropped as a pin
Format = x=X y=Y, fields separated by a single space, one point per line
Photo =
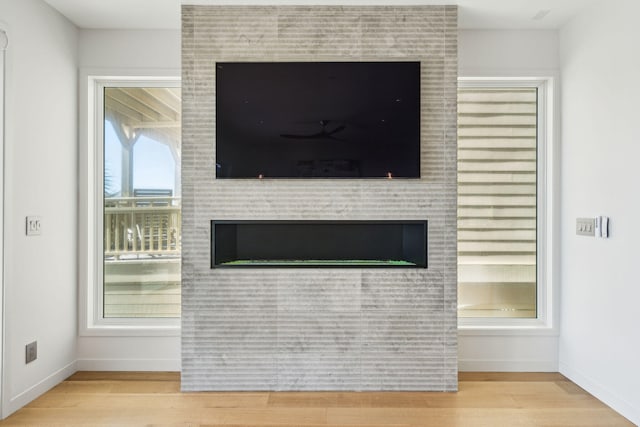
x=173 y=365
x=484 y=365
x=38 y=389
x=507 y=351
x=149 y=365
x=613 y=400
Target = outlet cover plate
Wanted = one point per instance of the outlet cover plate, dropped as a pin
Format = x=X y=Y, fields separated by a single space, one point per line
x=31 y=352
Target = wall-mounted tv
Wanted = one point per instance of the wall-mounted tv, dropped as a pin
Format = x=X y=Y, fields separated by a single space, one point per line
x=317 y=119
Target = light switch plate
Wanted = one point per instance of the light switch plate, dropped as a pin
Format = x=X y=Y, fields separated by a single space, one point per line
x=585 y=226
x=34 y=225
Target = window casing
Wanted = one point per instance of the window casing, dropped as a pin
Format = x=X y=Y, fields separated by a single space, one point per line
x=106 y=212
x=529 y=236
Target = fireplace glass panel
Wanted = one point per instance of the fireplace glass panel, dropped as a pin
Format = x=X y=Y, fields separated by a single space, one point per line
x=319 y=244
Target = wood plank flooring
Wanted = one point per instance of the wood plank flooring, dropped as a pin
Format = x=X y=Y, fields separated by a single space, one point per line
x=154 y=399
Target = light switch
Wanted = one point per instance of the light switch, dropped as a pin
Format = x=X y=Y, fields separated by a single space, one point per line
x=602 y=226
x=585 y=226
x=34 y=225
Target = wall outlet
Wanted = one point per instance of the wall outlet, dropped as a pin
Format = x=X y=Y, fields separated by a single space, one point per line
x=34 y=225
x=31 y=352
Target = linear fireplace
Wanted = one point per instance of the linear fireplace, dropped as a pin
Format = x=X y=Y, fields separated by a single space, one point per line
x=389 y=244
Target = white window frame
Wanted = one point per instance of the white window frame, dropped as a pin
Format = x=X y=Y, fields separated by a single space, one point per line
x=91 y=168
x=4 y=42
x=545 y=322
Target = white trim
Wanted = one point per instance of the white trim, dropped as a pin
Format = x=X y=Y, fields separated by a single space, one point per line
x=610 y=398
x=147 y=365
x=4 y=41
x=38 y=389
x=506 y=365
x=547 y=292
x=528 y=327
x=91 y=322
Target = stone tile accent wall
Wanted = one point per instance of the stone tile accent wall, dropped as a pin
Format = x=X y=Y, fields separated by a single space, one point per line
x=319 y=329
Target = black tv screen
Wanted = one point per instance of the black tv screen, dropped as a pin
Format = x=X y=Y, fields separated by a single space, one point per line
x=317 y=119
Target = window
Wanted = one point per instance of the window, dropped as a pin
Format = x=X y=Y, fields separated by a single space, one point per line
x=501 y=216
x=136 y=131
x=141 y=209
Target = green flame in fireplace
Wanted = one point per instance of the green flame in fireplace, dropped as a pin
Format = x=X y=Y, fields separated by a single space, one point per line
x=317 y=262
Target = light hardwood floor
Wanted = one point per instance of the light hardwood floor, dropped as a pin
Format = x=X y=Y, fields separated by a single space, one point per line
x=154 y=399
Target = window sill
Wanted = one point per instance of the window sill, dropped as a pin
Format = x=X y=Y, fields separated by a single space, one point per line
x=532 y=329
x=112 y=330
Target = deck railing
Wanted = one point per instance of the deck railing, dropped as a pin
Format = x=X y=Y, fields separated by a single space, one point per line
x=135 y=226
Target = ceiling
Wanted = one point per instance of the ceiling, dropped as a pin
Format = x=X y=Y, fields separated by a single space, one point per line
x=473 y=14
x=151 y=111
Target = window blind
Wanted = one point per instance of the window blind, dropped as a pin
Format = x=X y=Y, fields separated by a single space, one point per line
x=497 y=164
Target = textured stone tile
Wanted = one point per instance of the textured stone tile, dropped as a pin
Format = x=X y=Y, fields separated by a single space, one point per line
x=405 y=333
x=232 y=334
x=404 y=32
x=320 y=290
x=396 y=371
x=228 y=372
x=317 y=329
x=332 y=32
x=316 y=332
x=318 y=371
x=401 y=291
x=433 y=79
x=236 y=33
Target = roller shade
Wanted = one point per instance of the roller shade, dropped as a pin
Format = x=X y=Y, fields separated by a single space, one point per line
x=497 y=163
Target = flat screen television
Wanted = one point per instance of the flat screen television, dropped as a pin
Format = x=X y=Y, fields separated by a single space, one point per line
x=317 y=119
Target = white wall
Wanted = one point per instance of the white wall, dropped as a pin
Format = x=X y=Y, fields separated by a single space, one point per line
x=510 y=52
x=600 y=339
x=40 y=173
x=507 y=53
x=123 y=53
x=132 y=49
x=481 y=53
